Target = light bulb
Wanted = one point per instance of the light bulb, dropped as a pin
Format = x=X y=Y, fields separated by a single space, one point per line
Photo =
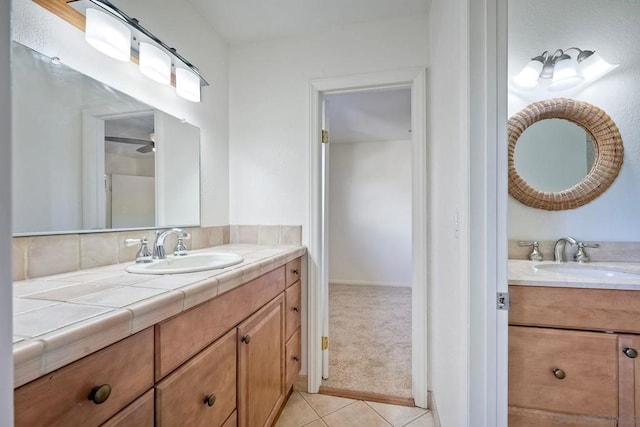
x=527 y=78
x=565 y=75
x=594 y=67
x=154 y=63
x=108 y=35
x=187 y=85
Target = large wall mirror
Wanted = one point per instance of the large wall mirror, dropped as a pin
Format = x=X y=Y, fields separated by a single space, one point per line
x=562 y=154
x=88 y=157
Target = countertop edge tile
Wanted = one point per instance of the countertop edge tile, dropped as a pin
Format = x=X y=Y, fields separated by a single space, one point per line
x=27 y=361
x=73 y=343
x=199 y=292
x=34 y=358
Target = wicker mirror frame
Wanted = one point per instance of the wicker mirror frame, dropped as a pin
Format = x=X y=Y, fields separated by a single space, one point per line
x=609 y=153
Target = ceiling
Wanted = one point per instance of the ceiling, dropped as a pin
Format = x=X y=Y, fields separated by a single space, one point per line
x=381 y=115
x=241 y=21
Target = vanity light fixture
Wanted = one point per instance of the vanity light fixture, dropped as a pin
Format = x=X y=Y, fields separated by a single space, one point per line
x=114 y=33
x=563 y=70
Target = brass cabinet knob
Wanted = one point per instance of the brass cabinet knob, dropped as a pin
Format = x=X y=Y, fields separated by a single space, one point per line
x=631 y=353
x=295 y=358
x=246 y=339
x=295 y=271
x=210 y=399
x=559 y=373
x=100 y=393
x=295 y=308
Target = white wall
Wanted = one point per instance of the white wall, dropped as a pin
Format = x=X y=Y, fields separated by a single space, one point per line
x=612 y=29
x=269 y=109
x=448 y=290
x=182 y=27
x=370 y=213
x=6 y=312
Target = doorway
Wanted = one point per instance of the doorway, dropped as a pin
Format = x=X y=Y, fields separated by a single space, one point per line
x=368 y=192
x=413 y=80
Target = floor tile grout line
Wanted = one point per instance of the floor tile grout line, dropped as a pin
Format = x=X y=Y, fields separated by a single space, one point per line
x=334 y=411
x=389 y=421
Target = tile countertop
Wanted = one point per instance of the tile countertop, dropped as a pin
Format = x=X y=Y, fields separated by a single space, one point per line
x=62 y=318
x=523 y=272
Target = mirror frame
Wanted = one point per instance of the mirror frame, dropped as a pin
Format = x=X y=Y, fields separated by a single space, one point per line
x=609 y=153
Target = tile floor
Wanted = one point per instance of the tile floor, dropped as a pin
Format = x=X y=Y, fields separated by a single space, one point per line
x=319 y=410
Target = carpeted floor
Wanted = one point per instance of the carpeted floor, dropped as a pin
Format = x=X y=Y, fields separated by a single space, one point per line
x=370 y=339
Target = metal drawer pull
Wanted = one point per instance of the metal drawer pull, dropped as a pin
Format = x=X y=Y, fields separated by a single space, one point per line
x=246 y=339
x=631 y=353
x=295 y=358
x=100 y=393
x=210 y=399
x=295 y=308
x=295 y=271
x=559 y=373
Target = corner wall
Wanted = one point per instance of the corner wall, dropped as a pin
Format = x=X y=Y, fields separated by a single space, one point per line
x=448 y=200
x=6 y=316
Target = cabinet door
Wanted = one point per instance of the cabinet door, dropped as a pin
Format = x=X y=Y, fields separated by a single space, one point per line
x=563 y=371
x=202 y=392
x=293 y=359
x=261 y=365
x=629 y=365
x=521 y=417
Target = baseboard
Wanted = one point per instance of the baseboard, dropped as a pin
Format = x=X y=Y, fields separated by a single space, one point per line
x=431 y=401
x=301 y=383
x=368 y=396
x=365 y=283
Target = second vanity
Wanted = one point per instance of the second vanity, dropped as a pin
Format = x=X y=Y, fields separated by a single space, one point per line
x=573 y=346
x=214 y=348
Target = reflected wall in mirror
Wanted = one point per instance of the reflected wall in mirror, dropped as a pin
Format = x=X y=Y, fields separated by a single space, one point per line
x=88 y=157
x=592 y=123
x=554 y=155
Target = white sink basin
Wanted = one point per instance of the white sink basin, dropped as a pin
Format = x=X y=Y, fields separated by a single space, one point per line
x=587 y=271
x=187 y=264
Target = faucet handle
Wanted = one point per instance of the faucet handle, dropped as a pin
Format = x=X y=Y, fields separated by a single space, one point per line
x=535 y=254
x=144 y=255
x=581 y=255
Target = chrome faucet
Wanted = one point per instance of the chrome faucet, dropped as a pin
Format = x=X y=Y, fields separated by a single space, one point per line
x=558 y=249
x=580 y=256
x=158 y=246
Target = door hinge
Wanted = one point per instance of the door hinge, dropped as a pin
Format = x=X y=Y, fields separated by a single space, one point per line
x=325 y=343
x=325 y=136
x=502 y=301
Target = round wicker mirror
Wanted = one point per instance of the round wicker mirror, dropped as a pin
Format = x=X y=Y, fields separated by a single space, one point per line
x=609 y=153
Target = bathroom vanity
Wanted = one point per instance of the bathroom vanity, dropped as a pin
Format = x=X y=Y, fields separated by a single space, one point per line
x=573 y=347
x=229 y=359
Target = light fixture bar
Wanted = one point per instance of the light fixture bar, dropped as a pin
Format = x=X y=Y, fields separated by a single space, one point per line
x=113 y=10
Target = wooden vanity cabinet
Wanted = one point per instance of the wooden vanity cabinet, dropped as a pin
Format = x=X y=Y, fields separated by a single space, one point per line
x=568 y=365
x=261 y=368
x=221 y=363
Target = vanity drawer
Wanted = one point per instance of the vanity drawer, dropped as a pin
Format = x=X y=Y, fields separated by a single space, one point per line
x=293 y=271
x=139 y=413
x=294 y=359
x=61 y=398
x=587 y=359
x=181 y=398
x=520 y=417
x=575 y=308
x=293 y=306
x=181 y=337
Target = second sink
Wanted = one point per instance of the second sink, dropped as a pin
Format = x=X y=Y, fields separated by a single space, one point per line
x=587 y=271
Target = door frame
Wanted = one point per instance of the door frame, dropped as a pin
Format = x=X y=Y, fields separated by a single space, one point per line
x=416 y=80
